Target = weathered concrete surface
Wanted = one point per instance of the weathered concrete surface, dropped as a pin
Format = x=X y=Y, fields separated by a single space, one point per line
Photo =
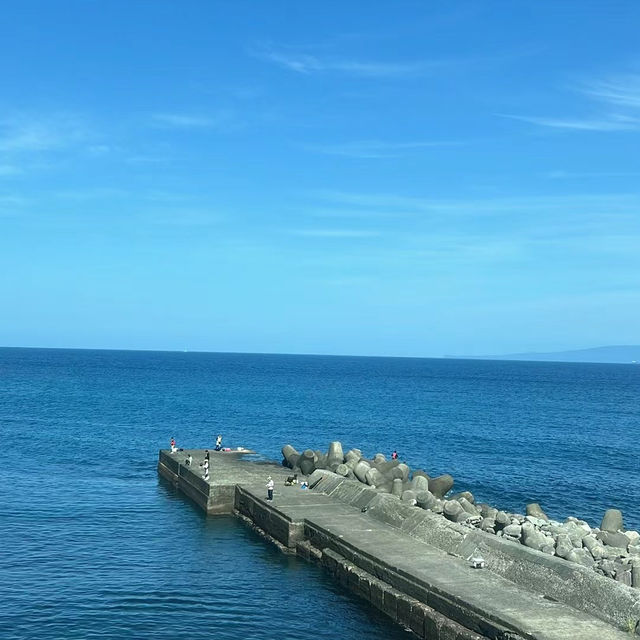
x=569 y=583
x=391 y=555
x=226 y=470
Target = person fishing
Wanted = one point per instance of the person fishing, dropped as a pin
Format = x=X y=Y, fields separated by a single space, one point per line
x=218 y=446
x=270 y=486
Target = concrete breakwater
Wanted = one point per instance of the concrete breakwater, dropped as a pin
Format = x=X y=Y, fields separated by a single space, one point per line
x=409 y=562
x=609 y=550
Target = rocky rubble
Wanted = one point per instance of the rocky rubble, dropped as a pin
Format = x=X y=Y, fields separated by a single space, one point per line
x=609 y=549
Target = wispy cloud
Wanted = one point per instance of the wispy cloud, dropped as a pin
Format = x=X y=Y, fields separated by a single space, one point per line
x=181 y=120
x=28 y=134
x=218 y=120
x=613 y=122
x=305 y=63
x=377 y=148
x=619 y=92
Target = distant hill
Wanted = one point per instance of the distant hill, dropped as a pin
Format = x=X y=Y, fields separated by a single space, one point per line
x=613 y=354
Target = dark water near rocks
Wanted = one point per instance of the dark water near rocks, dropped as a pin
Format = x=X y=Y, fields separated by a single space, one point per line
x=95 y=546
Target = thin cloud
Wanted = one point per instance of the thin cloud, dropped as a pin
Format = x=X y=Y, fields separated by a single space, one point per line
x=18 y=135
x=619 y=90
x=182 y=121
x=307 y=64
x=614 y=122
x=375 y=149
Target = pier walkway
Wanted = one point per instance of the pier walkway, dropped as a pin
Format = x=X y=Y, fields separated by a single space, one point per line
x=435 y=594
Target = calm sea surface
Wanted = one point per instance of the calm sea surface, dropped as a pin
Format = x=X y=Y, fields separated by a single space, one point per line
x=95 y=546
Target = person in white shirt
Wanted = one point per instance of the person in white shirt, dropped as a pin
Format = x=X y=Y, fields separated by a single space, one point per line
x=270 y=486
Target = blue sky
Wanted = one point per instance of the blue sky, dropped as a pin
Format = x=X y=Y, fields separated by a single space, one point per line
x=394 y=178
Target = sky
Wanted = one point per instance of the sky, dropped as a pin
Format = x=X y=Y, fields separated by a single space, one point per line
x=368 y=178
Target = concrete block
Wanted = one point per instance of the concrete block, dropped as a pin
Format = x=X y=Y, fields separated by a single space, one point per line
x=403 y=608
x=376 y=589
x=390 y=602
x=417 y=616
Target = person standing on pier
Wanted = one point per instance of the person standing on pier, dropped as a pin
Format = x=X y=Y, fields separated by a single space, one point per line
x=173 y=445
x=219 y=443
x=270 y=486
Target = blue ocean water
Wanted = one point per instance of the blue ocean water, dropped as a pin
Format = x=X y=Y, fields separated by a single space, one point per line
x=94 y=545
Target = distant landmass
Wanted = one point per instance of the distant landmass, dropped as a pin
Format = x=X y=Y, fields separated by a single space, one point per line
x=614 y=354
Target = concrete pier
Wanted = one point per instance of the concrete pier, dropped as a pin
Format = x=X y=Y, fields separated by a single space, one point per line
x=412 y=567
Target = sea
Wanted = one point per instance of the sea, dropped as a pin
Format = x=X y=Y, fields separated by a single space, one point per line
x=95 y=545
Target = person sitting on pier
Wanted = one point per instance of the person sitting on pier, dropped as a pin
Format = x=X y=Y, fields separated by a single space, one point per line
x=291 y=480
x=219 y=443
x=189 y=460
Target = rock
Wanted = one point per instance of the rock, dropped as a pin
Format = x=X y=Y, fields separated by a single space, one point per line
x=533 y=538
x=426 y=499
x=307 y=462
x=583 y=557
x=575 y=533
x=488 y=525
x=335 y=456
x=321 y=460
x=467 y=495
x=536 y=522
x=379 y=458
x=404 y=469
x=420 y=483
x=634 y=536
x=592 y=544
x=513 y=531
x=607 y=567
x=352 y=457
x=613 y=553
x=290 y=456
x=420 y=472
x=468 y=507
x=622 y=573
x=617 y=539
x=342 y=470
x=441 y=485
x=487 y=511
x=409 y=496
x=361 y=469
x=502 y=520
x=612 y=521
x=535 y=510
x=386 y=466
x=385 y=487
x=374 y=478
x=634 y=549
x=398 y=473
x=396 y=487
x=563 y=546
x=453 y=511
x=635 y=573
